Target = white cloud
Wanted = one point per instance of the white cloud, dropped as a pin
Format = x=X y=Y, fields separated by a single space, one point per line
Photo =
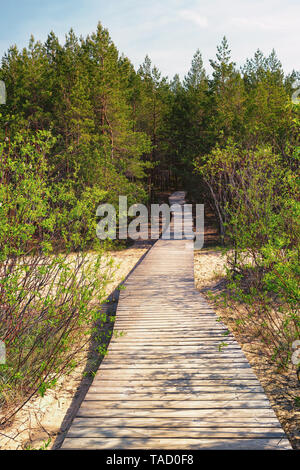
x=272 y=23
x=194 y=17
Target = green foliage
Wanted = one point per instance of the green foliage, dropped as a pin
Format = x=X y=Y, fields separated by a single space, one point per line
x=81 y=92
x=256 y=196
x=251 y=107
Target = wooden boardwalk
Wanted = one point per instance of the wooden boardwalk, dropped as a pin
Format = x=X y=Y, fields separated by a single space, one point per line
x=169 y=382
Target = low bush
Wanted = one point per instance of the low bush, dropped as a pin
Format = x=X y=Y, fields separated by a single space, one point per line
x=257 y=199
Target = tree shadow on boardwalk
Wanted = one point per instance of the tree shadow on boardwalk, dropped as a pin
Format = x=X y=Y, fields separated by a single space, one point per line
x=204 y=425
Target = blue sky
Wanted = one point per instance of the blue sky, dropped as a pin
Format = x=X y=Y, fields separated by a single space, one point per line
x=169 y=31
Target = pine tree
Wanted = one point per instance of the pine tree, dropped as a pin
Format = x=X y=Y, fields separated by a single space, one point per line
x=152 y=108
x=228 y=97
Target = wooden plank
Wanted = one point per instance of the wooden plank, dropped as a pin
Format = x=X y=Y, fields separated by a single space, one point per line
x=221 y=357
x=208 y=339
x=181 y=347
x=170 y=374
x=189 y=396
x=198 y=335
x=193 y=357
x=168 y=385
x=202 y=433
x=176 y=404
x=191 y=366
x=225 y=413
x=178 y=443
x=169 y=328
x=217 y=423
x=156 y=388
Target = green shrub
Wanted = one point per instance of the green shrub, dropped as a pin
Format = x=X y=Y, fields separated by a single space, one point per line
x=257 y=199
